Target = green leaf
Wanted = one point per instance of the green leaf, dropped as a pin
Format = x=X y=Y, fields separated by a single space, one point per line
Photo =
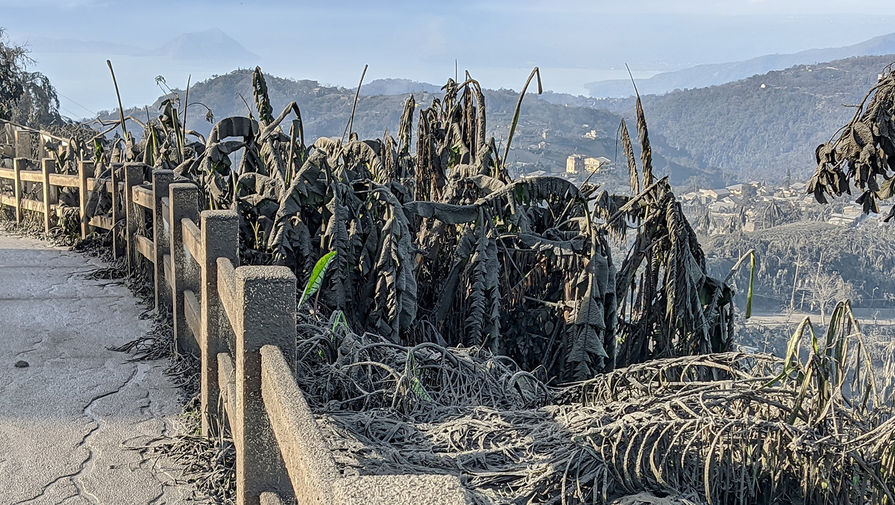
x=416 y=385
x=339 y=321
x=316 y=279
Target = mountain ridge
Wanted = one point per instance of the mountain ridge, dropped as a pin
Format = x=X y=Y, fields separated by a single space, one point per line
x=762 y=126
x=546 y=135
x=205 y=44
x=397 y=86
x=758 y=128
x=701 y=76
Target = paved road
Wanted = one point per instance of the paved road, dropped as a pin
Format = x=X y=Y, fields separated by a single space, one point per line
x=67 y=418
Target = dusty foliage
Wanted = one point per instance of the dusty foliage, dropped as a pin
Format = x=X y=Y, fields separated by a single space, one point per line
x=864 y=152
x=730 y=428
x=442 y=245
x=460 y=298
x=207 y=464
x=471 y=291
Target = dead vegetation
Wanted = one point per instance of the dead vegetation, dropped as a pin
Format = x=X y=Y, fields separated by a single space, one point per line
x=443 y=245
x=461 y=303
x=716 y=428
x=864 y=152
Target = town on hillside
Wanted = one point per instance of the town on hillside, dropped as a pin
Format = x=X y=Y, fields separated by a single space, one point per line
x=755 y=206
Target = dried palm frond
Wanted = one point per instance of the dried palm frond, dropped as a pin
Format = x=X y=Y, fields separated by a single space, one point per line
x=646 y=152
x=629 y=158
x=669 y=305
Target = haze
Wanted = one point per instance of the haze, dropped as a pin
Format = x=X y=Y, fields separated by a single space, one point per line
x=573 y=42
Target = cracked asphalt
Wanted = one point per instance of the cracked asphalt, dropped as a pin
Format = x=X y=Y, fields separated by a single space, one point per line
x=68 y=419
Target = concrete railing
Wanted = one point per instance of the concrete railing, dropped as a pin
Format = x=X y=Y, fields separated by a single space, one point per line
x=26 y=172
x=240 y=321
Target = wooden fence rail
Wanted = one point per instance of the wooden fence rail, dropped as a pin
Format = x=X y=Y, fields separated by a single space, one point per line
x=240 y=321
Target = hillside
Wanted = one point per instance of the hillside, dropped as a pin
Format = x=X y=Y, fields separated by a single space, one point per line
x=862 y=257
x=702 y=76
x=546 y=135
x=397 y=87
x=760 y=127
x=755 y=128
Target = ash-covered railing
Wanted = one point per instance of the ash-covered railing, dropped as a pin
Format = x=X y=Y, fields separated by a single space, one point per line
x=240 y=321
x=31 y=166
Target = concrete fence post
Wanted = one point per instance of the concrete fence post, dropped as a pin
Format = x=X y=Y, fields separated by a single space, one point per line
x=55 y=190
x=116 y=243
x=161 y=179
x=18 y=165
x=48 y=166
x=24 y=148
x=85 y=168
x=133 y=176
x=184 y=203
x=220 y=239
x=267 y=317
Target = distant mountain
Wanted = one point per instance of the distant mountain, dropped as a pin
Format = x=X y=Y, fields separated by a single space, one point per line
x=397 y=87
x=712 y=74
x=761 y=127
x=206 y=45
x=758 y=128
x=546 y=135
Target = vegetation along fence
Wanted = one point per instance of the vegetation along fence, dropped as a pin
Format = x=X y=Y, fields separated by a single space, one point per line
x=240 y=320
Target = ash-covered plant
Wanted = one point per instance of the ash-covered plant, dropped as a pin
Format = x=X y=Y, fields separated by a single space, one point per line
x=443 y=245
x=863 y=154
x=668 y=305
x=810 y=427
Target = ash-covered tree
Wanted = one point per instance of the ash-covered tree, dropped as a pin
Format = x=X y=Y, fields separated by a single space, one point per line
x=827 y=288
x=25 y=97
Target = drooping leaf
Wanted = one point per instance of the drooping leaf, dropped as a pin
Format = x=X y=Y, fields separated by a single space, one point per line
x=629 y=158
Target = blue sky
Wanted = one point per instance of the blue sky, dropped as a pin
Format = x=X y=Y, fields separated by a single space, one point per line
x=573 y=42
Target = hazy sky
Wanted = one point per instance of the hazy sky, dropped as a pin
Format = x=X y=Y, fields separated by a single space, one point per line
x=573 y=42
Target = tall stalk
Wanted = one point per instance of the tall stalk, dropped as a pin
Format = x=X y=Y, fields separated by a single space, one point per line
x=186 y=105
x=354 y=107
x=117 y=94
x=534 y=72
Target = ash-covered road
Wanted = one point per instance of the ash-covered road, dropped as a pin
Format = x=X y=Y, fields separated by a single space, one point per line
x=69 y=407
